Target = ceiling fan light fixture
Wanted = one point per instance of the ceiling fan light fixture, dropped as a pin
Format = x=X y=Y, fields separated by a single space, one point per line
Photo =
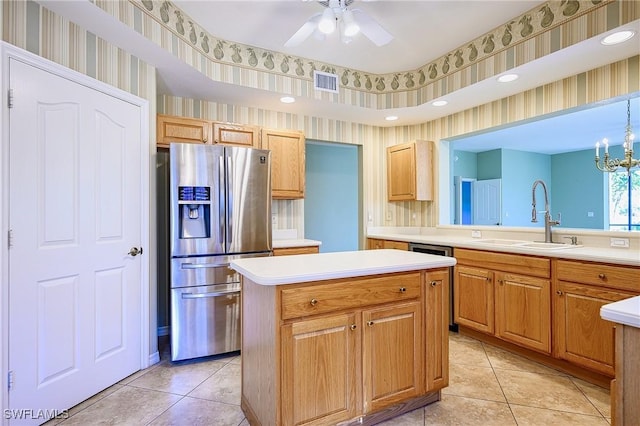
x=327 y=23
x=351 y=27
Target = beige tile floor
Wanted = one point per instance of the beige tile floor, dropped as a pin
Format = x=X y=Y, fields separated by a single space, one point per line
x=488 y=386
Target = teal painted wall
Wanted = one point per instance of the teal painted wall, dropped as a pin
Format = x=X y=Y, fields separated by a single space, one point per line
x=520 y=170
x=578 y=189
x=490 y=164
x=465 y=164
x=331 y=207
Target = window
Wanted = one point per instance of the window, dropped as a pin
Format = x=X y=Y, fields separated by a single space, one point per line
x=624 y=201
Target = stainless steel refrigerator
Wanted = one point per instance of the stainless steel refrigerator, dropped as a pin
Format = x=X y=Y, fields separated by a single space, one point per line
x=220 y=209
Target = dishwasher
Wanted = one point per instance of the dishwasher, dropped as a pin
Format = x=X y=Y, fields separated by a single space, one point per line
x=440 y=251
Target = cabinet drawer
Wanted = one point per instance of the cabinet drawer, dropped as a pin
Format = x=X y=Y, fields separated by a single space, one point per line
x=620 y=277
x=516 y=263
x=348 y=294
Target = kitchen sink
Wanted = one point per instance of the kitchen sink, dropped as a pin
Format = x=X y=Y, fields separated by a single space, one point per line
x=501 y=242
x=526 y=244
x=549 y=246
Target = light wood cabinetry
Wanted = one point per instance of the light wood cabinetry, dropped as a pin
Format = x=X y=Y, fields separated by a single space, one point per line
x=181 y=129
x=331 y=351
x=625 y=389
x=436 y=326
x=506 y=295
x=374 y=244
x=287 y=251
x=581 y=336
x=287 y=162
x=410 y=171
x=236 y=134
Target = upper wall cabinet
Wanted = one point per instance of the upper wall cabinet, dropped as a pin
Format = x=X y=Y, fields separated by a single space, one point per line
x=410 y=171
x=181 y=129
x=287 y=162
x=236 y=134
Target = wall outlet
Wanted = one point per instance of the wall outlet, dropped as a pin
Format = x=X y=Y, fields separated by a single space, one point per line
x=589 y=214
x=619 y=242
x=476 y=234
x=274 y=219
x=389 y=215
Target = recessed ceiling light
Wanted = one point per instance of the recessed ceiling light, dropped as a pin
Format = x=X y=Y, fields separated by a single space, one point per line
x=619 y=37
x=506 y=78
x=439 y=103
x=287 y=100
x=391 y=118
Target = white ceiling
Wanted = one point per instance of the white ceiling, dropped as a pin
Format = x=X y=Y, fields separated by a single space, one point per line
x=441 y=26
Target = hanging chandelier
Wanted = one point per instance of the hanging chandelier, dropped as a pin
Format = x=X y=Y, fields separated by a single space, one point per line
x=612 y=164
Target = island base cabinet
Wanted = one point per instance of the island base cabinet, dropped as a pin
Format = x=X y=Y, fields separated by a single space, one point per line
x=581 y=335
x=319 y=364
x=392 y=359
x=436 y=326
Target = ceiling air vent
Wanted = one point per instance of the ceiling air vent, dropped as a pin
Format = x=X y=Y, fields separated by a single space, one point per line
x=325 y=81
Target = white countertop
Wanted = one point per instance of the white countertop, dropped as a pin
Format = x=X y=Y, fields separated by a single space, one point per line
x=277 y=270
x=595 y=254
x=625 y=312
x=289 y=243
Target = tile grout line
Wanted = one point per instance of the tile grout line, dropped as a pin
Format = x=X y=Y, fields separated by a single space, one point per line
x=493 y=370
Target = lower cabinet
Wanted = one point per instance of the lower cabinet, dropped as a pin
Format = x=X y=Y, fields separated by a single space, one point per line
x=345 y=348
x=287 y=251
x=374 y=243
x=581 y=336
x=504 y=295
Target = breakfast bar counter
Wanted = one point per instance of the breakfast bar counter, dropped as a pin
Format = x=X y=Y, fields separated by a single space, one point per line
x=343 y=338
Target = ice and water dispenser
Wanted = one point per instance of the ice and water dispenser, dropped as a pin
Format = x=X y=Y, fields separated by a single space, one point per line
x=194 y=220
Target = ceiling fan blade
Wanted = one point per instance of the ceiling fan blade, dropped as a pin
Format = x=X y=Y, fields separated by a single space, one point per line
x=304 y=32
x=371 y=29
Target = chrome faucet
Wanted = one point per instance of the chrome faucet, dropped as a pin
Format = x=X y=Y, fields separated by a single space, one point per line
x=548 y=222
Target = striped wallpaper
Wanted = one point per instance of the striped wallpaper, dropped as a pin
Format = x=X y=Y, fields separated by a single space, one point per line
x=28 y=25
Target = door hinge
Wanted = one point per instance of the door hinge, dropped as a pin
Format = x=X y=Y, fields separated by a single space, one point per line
x=10 y=238
x=9 y=379
x=10 y=99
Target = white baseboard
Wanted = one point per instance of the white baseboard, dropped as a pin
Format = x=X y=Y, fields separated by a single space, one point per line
x=163 y=331
x=154 y=358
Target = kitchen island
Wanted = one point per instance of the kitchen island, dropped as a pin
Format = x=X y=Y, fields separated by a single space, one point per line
x=343 y=338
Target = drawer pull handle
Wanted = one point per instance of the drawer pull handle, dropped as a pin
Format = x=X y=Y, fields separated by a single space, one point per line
x=434 y=283
x=602 y=276
x=403 y=289
x=559 y=292
x=369 y=323
x=353 y=327
x=314 y=302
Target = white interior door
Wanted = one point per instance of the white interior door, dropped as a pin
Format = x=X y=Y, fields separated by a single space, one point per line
x=487 y=202
x=74 y=214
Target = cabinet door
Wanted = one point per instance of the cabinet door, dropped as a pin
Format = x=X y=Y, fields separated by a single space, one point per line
x=181 y=129
x=392 y=358
x=581 y=336
x=436 y=325
x=401 y=172
x=523 y=311
x=320 y=365
x=287 y=162
x=236 y=134
x=398 y=245
x=473 y=298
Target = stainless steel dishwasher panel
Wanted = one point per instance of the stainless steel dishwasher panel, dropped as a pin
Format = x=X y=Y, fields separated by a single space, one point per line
x=205 y=320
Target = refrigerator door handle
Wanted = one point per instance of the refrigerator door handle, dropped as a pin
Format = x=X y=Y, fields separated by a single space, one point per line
x=229 y=204
x=222 y=200
x=206 y=295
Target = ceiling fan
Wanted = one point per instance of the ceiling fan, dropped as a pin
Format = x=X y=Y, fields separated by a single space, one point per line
x=348 y=22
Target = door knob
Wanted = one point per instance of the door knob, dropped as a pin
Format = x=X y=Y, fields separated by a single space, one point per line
x=135 y=251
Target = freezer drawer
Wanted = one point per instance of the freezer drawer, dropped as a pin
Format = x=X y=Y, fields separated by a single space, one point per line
x=205 y=320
